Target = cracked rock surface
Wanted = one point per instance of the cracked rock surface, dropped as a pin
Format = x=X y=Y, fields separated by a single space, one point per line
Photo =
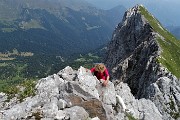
x=77 y=95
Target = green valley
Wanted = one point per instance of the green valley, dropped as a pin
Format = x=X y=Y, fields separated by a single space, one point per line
x=25 y=68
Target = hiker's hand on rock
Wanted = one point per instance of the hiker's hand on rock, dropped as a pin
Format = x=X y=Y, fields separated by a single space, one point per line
x=105 y=83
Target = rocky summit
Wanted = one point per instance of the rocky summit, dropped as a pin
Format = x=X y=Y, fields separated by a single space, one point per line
x=143 y=86
x=146 y=56
x=78 y=95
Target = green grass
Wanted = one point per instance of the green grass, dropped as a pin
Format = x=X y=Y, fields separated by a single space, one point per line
x=175 y=114
x=12 y=90
x=86 y=61
x=130 y=117
x=8 y=25
x=170 y=56
x=3 y=64
x=8 y=29
x=6 y=22
x=32 y=24
x=29 y=90
x=10 y=75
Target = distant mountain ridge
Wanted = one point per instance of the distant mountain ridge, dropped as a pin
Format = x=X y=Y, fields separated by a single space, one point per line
x=54 y=27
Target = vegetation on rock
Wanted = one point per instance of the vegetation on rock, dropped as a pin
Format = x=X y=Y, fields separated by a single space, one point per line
x=170 y=56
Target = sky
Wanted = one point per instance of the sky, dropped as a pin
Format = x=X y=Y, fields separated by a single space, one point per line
x=107 y=4
x=166 y=11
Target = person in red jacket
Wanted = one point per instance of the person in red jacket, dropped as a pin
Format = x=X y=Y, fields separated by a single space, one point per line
x=101 y=72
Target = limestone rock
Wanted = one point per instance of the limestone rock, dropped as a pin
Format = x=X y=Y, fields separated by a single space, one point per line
x=67 y=74
x=139 y=109
x=132 y=57
x=95 y=118
x=77 y=113
x=60 y=97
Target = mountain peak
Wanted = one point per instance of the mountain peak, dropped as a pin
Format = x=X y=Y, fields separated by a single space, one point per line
x=169 y=45
x=139 y=19
x=146 y=56
x=136 y=8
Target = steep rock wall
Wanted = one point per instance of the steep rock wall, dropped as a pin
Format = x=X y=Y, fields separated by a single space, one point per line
x=132 y=57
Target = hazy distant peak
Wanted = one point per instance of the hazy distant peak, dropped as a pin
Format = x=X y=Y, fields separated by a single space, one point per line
x=74 y=4
x=118 y=7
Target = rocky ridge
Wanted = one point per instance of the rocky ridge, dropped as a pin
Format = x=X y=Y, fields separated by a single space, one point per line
x=133 y=57
x=77 y=95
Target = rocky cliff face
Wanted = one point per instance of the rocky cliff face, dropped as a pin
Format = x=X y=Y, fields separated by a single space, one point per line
x=133 y=57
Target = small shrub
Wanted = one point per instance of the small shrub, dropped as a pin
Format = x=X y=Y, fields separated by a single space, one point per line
x=130 y=117
x=11 y=91
x=29 y=90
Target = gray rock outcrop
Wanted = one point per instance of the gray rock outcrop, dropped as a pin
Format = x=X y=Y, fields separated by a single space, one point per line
x=77 y=95
x=132 y=58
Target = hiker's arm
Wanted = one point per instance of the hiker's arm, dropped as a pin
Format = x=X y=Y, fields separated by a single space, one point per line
x=106 y=81
x=92 y=70
x=107 y=78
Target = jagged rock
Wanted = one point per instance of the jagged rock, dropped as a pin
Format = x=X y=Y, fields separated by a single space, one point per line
x=77 y=113
x=88 y=82
x=62 y=104
x=139 y=109
x=57 y=98
x=61 y=115
x=67 y=74
x=109 y=111
x=96 y=118
x=148 y=110
x=121 y=116
x=95 y=108
x=16 y=112
x=3 y=98
x=92 y=85
x=166 y=90
x=60 y=99
x=107 y=94
x=50 y=110
x=132 y=58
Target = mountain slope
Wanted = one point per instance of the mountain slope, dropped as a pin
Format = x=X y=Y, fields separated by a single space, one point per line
x=169 y=44
x=146 y=56
x=58 y=26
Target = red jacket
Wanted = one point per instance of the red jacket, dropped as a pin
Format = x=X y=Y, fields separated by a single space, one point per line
x=100 y=75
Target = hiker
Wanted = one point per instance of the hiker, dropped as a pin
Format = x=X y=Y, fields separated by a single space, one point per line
x=101 y=72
